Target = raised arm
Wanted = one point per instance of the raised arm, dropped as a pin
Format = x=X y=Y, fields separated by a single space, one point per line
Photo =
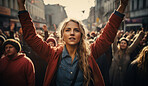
x=45 y=32
x=107 y=37
x=21 y=5
x=114 y=45
x=30 y=35
x=122 y=6
x=136 y=41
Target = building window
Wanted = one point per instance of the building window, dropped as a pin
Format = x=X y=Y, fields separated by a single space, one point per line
x=50 y=20
x=144 y=3
x=132 y=5
x=14 y=6
x=3 y=3
x=137 y=4
x=9 y=4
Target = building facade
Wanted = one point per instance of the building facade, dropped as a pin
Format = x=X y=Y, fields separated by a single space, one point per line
x=36 y=9
x=55 y=14
x=136 y=14
x=9 y=13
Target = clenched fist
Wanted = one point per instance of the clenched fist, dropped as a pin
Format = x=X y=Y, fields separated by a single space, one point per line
x=21 y=5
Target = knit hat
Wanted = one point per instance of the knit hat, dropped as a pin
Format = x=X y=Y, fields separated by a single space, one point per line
x=125 y=39
x=51 y=39
x=14 y=43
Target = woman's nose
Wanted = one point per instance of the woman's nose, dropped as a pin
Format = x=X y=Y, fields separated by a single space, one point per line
x=72 y=32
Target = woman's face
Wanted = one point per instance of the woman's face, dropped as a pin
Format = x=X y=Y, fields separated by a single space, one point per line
x=123 y=44
x=71 y=34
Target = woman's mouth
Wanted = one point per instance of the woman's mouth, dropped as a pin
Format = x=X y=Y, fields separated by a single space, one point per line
x=72 y=38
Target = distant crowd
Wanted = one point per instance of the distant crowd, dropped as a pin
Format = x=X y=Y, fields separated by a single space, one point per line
x=125 y=62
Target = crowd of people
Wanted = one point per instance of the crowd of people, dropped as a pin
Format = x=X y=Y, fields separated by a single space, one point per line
x=73 y=57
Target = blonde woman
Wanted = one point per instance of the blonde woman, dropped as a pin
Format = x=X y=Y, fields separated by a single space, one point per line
x=137 y=74
x=74 y=63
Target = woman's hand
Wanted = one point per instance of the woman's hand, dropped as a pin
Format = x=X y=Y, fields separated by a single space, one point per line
x=124 y=2
x=122 y=6
x=21 y=5
x=44 y=28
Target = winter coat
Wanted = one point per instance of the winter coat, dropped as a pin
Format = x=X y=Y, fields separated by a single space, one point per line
x=52 y=55
x=18 y=71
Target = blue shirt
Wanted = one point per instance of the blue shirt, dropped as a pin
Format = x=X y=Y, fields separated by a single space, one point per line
x=66 y=71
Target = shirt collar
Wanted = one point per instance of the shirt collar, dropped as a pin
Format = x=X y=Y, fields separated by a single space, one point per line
x=65 y=53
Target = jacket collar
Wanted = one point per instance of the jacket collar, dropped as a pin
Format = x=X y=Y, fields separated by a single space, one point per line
x=17 y=57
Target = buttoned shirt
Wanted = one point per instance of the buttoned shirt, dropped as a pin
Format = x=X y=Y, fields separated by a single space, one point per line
x=67 y=69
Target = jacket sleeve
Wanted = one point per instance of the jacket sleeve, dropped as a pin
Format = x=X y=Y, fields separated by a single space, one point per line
x=103 y=42
x=30 y=36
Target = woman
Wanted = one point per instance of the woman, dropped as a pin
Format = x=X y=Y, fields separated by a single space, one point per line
x=137 y=74
x=74 y=63
x=121 y=58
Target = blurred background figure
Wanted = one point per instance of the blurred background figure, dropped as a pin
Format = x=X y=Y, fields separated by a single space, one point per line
x=137 y=74
x=16 y=69
x=2 y=39
x=121 y=58
x=51 y=41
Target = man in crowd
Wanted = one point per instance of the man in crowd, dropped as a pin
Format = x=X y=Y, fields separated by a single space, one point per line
x=15 y=68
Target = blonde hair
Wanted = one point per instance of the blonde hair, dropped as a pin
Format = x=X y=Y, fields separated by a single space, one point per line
x=82 y=50
x=142 y=59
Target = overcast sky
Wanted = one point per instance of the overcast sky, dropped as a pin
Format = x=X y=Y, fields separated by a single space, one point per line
x=78 y=9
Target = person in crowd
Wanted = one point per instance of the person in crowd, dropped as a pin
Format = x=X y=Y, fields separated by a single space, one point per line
x=121 y=58
x=2 y=39
x=137 y=74
x=104 y=63
x=16 y=69
x=39 y=64
x=10 y=31
x=141 y=45
x=72 y=64
x=46 y=35
x=51 y=41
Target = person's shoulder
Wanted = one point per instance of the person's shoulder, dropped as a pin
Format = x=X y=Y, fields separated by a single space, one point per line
x=24 y=57
x=134 y=63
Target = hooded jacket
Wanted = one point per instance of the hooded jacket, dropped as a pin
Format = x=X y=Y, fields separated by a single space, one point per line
x=18 y=71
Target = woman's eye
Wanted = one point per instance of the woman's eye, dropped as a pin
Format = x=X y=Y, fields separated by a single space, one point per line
x=67 y=30
x=77 y=30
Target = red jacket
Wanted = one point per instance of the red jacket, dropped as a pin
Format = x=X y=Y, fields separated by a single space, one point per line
x=18 y=71
x=51 y=55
